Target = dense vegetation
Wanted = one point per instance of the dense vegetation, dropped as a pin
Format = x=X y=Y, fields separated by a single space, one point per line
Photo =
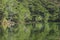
x=29 y=20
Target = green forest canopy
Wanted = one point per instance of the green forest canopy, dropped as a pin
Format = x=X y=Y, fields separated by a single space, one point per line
x=29 y=19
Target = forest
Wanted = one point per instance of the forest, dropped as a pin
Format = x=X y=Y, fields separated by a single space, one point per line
x=29 y=19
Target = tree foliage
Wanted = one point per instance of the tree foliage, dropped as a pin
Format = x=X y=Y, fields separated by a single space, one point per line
x=29 y=20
